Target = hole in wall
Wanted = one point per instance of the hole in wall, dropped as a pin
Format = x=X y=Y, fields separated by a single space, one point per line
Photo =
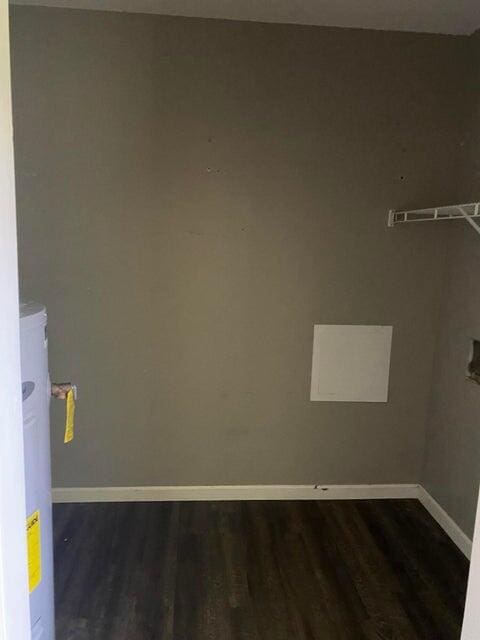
x=473 y=367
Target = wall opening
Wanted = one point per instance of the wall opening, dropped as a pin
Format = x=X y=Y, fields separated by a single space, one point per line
x=473 y=367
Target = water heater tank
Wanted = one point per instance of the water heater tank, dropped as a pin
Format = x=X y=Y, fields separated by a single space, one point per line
x=36 y=429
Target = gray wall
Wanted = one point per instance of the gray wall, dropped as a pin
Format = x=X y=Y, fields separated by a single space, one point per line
x=193 y=196
x=451 y=470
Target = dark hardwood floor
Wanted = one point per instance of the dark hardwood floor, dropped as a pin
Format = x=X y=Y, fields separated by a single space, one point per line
x=333 y=570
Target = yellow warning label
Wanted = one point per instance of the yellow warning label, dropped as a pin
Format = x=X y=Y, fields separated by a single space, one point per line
x=34 y=551
x=69 y=418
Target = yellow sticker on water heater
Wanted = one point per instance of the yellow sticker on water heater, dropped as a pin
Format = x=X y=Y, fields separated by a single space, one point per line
x=34 y=551
x=70 y=415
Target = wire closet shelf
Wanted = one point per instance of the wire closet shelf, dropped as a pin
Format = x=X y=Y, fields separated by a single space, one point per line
x=468 y=212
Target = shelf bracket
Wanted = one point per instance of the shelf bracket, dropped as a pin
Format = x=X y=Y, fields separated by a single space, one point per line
x=468 y=218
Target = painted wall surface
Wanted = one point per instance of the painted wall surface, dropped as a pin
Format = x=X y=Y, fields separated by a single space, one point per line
x=193 y=197
x=471 y=620
x=452 y=455
x=14 y=601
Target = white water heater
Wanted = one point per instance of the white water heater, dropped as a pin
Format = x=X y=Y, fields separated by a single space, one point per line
x=36 y=393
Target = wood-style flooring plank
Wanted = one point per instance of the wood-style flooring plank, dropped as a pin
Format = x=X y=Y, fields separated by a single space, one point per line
x=327 y=570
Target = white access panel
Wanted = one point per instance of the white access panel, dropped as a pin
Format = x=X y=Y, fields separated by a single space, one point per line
x=350 y=363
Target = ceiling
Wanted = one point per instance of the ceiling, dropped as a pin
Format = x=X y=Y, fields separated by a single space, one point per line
x=435 y=16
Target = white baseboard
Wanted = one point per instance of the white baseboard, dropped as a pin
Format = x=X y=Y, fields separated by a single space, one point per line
x=235 y=492
x=269 y=492
x=450 y=527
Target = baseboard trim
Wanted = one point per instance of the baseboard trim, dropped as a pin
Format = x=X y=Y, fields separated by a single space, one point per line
x=235 y=492
x=450 y=527
x=270 y=492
